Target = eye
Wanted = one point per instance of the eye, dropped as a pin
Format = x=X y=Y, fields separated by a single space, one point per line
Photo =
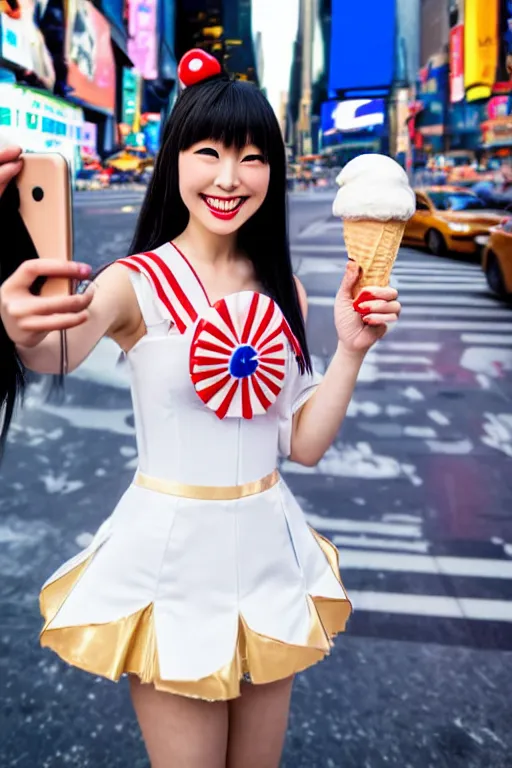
x=207 y=151
x=252 y=158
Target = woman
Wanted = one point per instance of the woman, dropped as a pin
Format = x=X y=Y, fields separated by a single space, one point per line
x=205 y=583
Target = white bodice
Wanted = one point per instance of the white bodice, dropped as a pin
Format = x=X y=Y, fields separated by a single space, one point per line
x=179 y=437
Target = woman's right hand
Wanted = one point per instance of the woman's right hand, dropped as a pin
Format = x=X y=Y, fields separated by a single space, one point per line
x=10 y=165
x=28 y=319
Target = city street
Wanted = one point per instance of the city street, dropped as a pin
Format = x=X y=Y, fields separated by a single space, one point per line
x=416 y=493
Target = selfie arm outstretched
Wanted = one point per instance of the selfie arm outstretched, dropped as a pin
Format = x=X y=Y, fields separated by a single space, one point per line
x=35 y=323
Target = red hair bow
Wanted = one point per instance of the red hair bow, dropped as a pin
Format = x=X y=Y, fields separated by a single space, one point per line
x=197 y=65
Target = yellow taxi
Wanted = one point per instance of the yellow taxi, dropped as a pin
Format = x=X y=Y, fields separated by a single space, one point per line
x=449 y=219
x=497 y=259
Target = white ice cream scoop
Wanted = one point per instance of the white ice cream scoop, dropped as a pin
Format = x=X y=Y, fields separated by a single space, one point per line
x=374 y=187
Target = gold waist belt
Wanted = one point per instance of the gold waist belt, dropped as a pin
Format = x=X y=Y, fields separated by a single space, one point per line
x=207 y=492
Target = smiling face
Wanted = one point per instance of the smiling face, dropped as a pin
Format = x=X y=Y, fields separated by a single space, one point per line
x=222 y=187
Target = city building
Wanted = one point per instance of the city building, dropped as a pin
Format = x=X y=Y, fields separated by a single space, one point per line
x=354 y=118
x=222 y=27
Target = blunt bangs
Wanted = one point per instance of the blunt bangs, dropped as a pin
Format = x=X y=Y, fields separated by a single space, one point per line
x=228 y=111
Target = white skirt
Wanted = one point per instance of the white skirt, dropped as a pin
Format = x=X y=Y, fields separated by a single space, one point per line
x=193 y=595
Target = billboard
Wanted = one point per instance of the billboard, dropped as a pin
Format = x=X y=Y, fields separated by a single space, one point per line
x=362 y=46
x=22 y=43
x=354 y=115
x=91 y=65
x=457 y=91
x=480 y=47
x=39 y=122
x=142 y=44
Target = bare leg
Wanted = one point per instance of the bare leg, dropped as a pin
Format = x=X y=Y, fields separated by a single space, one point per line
x=257 y=725
x=180 y=732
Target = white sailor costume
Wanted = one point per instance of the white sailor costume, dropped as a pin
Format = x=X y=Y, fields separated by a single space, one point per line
x=206 y=571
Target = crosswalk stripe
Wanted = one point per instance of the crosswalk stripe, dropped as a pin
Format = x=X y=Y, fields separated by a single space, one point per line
x=411 y=346
x=486 y=339
x=411 y=530
x=418 y=563
x=385 y=359
x=467 y=288
x=462 y=301
x=493 y=312
x=432 y=605
x=447 y=325
x=437 y=278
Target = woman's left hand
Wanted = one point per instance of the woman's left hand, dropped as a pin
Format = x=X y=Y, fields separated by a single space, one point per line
x=362 y=322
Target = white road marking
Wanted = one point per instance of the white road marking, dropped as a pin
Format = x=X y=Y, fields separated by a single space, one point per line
x=433 y=266
x=369 y=560
x=486 y=338
x=346 y=525
x=420 y=432
x=412 y=346
x=437 y=278
x=384 y=359
x=439 y=418
x=447 y=325
x=471 y=312
x=396 y=545
x=469 y=288
x=432 y=605
x=451 y=447
x=463 y=301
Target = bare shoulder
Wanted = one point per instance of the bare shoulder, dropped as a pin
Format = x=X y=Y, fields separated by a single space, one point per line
x=303 y=296
x=113 y=287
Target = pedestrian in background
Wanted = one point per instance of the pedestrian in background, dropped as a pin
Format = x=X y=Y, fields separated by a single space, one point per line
x=205 y=585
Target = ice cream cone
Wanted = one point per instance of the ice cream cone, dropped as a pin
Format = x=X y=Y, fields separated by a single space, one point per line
x=374 y=246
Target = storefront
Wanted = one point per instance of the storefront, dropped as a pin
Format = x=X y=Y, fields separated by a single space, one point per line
x=497 y=136
x=92 y=70
x=464 y=125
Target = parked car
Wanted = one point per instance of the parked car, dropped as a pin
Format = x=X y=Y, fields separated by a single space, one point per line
x=497 y=259
x=449 y=219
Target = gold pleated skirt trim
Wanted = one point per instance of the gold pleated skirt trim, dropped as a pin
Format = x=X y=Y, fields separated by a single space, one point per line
x=128 y=645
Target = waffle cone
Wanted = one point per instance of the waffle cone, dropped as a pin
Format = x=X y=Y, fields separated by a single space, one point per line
x=374 y=246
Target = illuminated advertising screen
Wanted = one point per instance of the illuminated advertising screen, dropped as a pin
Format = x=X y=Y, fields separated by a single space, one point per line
x=353 y=116
x=142 y=44
x=362 y=46
x=480 y=48
x=457 y=64
x=39 y=122
x=91 y=72
x=23 y=44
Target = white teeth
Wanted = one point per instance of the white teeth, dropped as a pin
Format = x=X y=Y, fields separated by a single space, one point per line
x=223 y=205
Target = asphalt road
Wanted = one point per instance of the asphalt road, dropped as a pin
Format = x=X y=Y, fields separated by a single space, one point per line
x=416 y=493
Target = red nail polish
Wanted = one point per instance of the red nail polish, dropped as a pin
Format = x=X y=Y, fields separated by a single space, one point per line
x=363 y=296
x=361 y=310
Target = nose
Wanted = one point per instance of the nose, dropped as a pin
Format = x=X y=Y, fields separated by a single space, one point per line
x=227 y=175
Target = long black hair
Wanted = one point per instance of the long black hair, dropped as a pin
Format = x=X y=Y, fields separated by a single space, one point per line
x=16 y=247
x=235 y=113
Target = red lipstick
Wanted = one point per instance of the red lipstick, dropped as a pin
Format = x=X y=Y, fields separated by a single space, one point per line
x=220 y=214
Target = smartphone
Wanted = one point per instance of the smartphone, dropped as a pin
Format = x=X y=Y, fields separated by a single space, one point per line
x=46 y=207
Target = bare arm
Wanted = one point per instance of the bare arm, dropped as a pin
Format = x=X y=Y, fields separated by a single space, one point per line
x=316 y=424
x=359 y=325
x=34 y=323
